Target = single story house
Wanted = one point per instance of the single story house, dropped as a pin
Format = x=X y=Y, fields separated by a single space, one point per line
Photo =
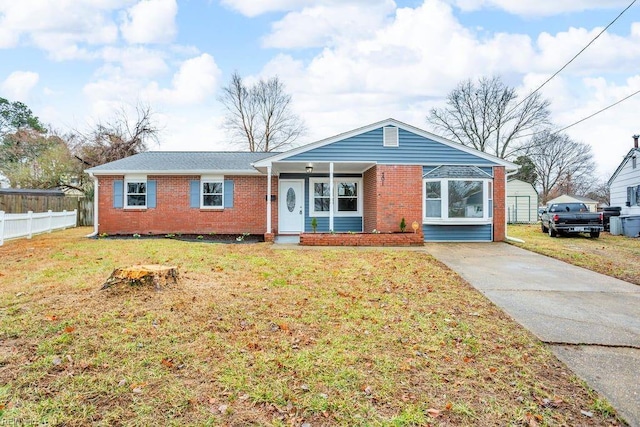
x=624 y=184
x=522 y=202
x=364 y=180
x=568 y=198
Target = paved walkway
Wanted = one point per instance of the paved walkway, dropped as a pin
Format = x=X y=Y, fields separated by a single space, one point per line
x=590 y=321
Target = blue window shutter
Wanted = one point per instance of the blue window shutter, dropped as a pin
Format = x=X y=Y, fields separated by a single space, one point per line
x=194 y=191
x=118 y=193
x=228 y=194
x=151 y=194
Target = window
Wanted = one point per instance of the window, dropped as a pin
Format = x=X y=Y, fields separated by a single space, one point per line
x=212 y=194
x=633 y=196
x=135 y=195
x=348 y=197
x=458 y=200
x=490 y=198
x=433 y=203
x=346 y=192
x=320 y=197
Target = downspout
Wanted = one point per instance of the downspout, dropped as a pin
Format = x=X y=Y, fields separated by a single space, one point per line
x=95 y=205
x=506 y=209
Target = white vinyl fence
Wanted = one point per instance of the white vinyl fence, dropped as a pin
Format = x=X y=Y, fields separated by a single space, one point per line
x=26 y=225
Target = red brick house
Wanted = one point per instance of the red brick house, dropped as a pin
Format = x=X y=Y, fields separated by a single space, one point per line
x=359 y=181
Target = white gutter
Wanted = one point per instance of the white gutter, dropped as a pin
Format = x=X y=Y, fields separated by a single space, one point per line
x=95 y=205
x=506 y=209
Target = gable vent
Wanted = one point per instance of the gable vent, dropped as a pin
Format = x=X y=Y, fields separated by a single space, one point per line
x=390 y=136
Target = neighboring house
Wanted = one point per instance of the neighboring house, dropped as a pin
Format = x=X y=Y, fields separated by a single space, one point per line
x=624 y=184
x=363 y=180
x=568 y=198
x=522 y=202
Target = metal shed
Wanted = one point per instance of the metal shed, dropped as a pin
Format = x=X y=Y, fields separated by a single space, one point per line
x=522 y=202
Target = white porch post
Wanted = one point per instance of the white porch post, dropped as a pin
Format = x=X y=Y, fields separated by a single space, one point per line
x=268 y=199
x=331 y=196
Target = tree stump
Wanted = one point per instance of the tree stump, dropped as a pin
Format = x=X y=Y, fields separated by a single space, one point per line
x=159 y=276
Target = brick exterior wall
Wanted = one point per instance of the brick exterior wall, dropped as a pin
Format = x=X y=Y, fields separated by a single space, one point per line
x=173 y=213
x=370 y=206
x=396 y=193
x=499 y=203
x=361 y=239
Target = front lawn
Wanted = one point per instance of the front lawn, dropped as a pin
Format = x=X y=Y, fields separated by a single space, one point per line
x=259 y=336
x=616 y=256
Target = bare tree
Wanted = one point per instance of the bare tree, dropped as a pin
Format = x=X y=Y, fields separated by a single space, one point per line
x=562 y=164
x=119 y=138
x=260 y=116
x=488 y=117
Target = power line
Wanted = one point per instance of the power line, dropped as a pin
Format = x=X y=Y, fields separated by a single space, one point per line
x=576 y=55
x=597 y=112
x=584 y=118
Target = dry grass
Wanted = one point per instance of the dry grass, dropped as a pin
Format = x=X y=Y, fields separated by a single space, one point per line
x=265 y=337
x=615 y=256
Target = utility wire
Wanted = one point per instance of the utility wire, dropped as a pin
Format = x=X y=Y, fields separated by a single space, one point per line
x=576 y=55
x=597 y=112
x=583 y=119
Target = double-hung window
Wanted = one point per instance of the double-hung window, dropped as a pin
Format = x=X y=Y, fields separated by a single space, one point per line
x=457 y=200
x=135 y=192
x=212 y=194
x=347 y=197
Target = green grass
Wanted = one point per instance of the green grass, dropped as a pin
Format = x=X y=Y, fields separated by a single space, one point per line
x=253 y=335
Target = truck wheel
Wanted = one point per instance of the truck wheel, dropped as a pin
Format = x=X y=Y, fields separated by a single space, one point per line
x=552 y=232
x=594 y=234
x=544 y=229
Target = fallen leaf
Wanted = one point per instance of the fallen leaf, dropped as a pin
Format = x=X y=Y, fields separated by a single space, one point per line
x=449 y=406
x=223 y=409
x=167 y=362
x=69 y=329
x=433 y=413
x=57 y=361
x=493 y=370
x=52 y=318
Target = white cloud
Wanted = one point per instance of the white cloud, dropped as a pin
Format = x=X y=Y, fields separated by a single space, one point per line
x=538 y=7
x=195 y=81
x=150 y=21
x=325 y=25
x=18 y=85
x=253 y=8
x=58 y=27
x=136 y=61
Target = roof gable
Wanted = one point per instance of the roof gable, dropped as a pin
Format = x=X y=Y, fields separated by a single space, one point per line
x=626 y=159
x=416 y=146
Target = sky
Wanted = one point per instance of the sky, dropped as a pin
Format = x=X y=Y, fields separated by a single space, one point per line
x=346 y=63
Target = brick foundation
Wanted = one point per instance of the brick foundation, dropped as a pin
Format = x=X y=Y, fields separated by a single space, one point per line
x=361 y=239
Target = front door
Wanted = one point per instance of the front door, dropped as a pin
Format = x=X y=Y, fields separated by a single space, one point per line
x=291 y=206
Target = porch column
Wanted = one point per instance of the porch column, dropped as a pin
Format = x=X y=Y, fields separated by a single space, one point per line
x=331 y=196
x=268 y=199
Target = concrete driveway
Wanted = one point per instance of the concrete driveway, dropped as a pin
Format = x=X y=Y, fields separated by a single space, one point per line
x=590 y=321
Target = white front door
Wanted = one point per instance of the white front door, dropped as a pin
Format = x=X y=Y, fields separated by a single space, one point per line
x=291 y=206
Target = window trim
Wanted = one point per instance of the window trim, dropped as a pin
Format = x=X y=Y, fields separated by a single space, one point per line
x=336 y=182
x=134 y=179
x=211 y=180
x=487 y=217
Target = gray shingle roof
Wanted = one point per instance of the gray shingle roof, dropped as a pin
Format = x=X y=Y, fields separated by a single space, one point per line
x=183 y=161
x=456 y=172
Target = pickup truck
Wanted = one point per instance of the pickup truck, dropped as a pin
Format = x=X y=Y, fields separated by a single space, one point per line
x=568 y=218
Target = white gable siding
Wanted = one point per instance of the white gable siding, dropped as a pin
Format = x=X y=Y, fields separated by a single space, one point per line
x=522 y=202
x=627 y=177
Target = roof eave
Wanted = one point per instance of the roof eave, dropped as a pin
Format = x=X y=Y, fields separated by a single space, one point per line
x=174 y=172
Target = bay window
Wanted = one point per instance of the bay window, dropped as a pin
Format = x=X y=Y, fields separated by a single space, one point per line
x=457 y=200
